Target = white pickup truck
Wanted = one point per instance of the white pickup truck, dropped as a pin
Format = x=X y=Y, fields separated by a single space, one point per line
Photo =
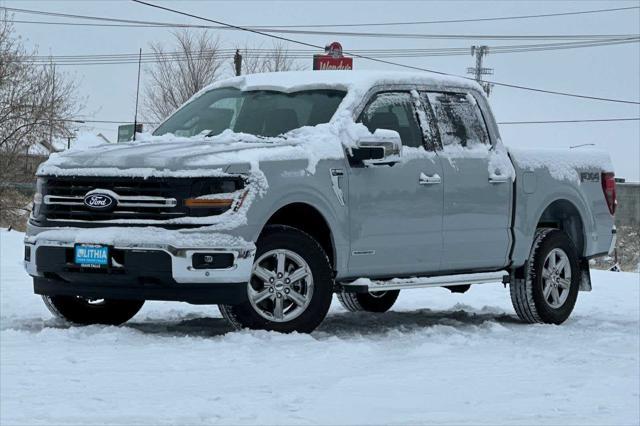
x=268 y=193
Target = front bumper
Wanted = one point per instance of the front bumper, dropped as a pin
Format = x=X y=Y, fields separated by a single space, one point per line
x=149 y=263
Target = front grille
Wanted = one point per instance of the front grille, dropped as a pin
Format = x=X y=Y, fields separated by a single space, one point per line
x=137 y=198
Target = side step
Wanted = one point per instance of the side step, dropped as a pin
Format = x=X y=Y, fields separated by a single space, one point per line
x=363 y=285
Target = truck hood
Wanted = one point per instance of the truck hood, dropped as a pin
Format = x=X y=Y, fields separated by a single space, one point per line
x=175 y=156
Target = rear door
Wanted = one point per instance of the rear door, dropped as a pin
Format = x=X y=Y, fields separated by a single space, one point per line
x=395 y=214
x=477 y=208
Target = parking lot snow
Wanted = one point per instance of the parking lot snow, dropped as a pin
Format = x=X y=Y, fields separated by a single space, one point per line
x=435 y=358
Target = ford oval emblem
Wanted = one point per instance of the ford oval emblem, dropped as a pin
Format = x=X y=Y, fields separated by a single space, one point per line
x=97 y=201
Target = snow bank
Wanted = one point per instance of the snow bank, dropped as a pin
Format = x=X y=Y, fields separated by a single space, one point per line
x=563 y=164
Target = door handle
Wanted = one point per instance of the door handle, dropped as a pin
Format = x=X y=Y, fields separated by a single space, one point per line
x=499 y=179
x=335 y=183
x=429 y=180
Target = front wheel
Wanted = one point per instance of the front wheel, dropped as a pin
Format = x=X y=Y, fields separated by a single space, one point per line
x=549 y=289
x=81 y=311
x=291 y=284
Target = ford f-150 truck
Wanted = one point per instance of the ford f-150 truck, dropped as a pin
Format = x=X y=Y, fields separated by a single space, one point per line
x=266 y=194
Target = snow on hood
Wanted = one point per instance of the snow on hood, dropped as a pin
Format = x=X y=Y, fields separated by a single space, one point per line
x=169 y=155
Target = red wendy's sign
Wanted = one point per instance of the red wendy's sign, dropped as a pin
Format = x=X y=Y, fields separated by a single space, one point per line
x=332 y=59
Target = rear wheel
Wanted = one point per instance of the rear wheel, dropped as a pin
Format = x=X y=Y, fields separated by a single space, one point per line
x=81 y=311
x=549 y=290
x=377 y=301
x=291 y=284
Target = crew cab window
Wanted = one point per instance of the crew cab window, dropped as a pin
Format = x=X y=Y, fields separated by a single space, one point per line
x=459 y=119
x=393 y=111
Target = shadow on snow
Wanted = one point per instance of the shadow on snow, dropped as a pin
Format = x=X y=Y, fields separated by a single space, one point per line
x=335 y=324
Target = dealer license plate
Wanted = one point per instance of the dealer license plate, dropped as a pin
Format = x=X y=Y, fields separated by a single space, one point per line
x=91 y=255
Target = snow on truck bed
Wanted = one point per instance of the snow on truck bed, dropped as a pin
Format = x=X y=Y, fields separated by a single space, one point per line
x=435 y=358
x=562 y=164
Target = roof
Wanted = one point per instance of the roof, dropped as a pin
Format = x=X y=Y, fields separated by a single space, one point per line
x=346 y=80
x=356 y=83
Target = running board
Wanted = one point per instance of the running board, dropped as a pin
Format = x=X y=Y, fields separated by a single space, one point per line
x=363 y=285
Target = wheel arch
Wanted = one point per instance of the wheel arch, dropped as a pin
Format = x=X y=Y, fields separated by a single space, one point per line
x=309 y=219
x=563 y=214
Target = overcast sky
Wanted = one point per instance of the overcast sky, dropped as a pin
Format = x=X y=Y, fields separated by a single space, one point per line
x=611 y=71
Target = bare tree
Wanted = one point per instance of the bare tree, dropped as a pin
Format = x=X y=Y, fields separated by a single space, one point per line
x=276 y=58
x=193 y=62
x=37 y=103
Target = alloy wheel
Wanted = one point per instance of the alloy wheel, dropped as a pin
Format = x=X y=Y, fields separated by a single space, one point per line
x=556 y=278
x=281 y=285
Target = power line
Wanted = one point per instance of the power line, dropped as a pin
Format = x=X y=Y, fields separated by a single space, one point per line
x=513 y=86
x=357 y=34
x=224 y=54
x=594 y=120
x=292 y=30
x=453 y=21
x=374 y=24
x=126 y=58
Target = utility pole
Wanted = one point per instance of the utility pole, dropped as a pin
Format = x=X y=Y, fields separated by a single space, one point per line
x=478 y=71
x=135 y=115
x=237 y=62
x=52 y=105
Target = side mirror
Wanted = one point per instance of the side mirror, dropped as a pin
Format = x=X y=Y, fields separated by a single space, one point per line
x=383 y=147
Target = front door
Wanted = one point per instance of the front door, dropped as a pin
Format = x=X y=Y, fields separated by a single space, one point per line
x=477 y=205
x=396 y=211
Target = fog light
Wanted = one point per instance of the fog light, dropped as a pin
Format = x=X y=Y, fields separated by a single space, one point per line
x=212 y=260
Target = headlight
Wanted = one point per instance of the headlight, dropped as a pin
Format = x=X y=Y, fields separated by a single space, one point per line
x=216 y=195
x=37 y=197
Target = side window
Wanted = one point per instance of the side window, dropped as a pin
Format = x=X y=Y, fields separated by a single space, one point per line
x=393 y=111
x=459 y=119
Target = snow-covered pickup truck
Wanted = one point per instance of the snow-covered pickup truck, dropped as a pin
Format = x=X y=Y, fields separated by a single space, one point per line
x=266 y=194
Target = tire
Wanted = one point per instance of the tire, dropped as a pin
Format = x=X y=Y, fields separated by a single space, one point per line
x=280 y=297
x=549 y=290
x=80 y=311
x=379 y=301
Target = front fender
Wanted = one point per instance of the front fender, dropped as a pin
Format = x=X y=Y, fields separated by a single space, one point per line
x=288 y=185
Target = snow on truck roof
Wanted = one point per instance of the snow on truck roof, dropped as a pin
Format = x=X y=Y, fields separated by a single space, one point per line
x=291 y=81
x=356 y=83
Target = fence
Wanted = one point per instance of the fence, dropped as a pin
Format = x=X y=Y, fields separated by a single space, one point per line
x=628 y=209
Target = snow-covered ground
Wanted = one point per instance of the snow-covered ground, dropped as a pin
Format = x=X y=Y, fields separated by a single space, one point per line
x=436 y=358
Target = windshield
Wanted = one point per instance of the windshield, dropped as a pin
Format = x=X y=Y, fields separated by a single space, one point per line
x=260 y=112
